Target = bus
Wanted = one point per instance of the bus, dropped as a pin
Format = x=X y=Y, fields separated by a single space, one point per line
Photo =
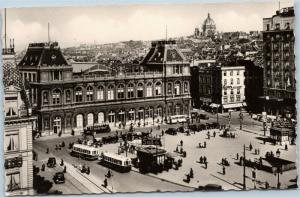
x=114 y=161
x=85 y=152
x=177 y=119
x=99 y=128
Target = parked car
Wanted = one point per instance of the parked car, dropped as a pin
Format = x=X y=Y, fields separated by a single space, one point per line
x=59 y=177
x=51 y=162
x=203 y=116
x=181 y=129
x=171 y=131
x=210 y=187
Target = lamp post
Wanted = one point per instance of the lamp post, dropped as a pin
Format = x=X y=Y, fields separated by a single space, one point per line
x=278 y=172
x=244 y=169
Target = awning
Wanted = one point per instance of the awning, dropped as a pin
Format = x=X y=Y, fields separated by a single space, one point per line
x=214 y=105
x=232 y=105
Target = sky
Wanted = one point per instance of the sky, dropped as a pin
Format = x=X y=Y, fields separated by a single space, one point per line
x=71 y=26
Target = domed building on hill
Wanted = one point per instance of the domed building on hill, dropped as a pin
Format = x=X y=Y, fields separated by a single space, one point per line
x=209 y=27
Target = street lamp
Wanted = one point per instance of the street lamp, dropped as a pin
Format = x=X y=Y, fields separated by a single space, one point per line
x=278 y=172
x=244 y=169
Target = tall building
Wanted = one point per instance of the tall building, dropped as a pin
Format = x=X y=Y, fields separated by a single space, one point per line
x=279 y=63
x=64 y=101
x=18 y=126
x=209 y=27
x=220 y=87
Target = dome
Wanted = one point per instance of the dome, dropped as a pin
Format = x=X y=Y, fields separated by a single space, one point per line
x=209 y=26
x=209 y=21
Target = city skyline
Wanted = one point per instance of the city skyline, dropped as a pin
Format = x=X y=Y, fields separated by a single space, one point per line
x=115 y=23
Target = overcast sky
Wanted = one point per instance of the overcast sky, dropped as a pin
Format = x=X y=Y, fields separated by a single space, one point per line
x=112 y=23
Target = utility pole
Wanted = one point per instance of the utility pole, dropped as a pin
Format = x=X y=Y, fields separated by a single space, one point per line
x=241 y=119
x=5 y=46
x=244 y=169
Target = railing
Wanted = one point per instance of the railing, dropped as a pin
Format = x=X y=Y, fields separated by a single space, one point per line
x=118 y=76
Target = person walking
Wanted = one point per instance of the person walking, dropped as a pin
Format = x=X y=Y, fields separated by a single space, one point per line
x=204 y=144
x=224 y=170
x=181 y=143
x=237 y=156
x=105 y=182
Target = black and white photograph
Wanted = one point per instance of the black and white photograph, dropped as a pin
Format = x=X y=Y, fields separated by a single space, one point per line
x=149 y=97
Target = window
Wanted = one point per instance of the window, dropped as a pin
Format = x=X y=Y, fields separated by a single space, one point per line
x=121 y=91
x=231 y=81
x=225 y=82
x=130 y=92
x=231 y=91
x=110 y=92
x=56 y=97
x=231 y=73
x=238 y=91
x=131 y=114
x=277 y=26
x=225 y=99
x=78 y=94
x=33 y=77
x=13 y=182
x=224 y=73
x=238 y=80
x=89 y=93
x=238 y=72
x=46 y=123
x=225 y=92
x=12 y=142
x=11 y=112
x=100 y=93
x=177 y=69
x=149 y=89
x=231 y=98
x=169 y=88
x=111 y=117
x=177 y=88
x=238 y=97
x=159 y=111
x=177 y=109
x=268 y=27
x=56 y=75
x=158 y=89
x=140 y=90
x=186 y=87
x=68 y=96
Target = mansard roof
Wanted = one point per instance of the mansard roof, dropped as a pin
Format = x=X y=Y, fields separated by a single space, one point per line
x=43 y=54
x=165 y=51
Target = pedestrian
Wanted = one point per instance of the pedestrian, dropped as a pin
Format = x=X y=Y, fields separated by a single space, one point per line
x=176 y=150
x=108 y=174
x=61 y=162
x=205 y=163
x=65 y=169
x=200 y=145
x=286 y=147
x=181 y=150
x=105 y=182
x=264 y=141
x=224 y=170
x=250 y=147
x=204 y=144
x=278 y=152
x=258 y=151
x=255 y=151
x=267 y=185
x=204 y=159
x=181 y=143
x=47 y=150
x=88 y=170
x=201 y=159
x=43 y=167
x=214 y=133
x=191 y=173
x=188 y=178
x=162 y=132
x=237 y=156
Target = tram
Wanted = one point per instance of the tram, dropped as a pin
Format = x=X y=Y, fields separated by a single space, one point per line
x=114 y=161
x=85 y=152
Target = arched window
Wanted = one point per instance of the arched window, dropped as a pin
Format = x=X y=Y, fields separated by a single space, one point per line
x=56 y=96
x=158 y=89
x=110 y=92
x=120 y=91
x=79 y=121
x=169 y=88
x=140 y=90
x=89 y=93
x=177 y=109
x=177 y=88
x=100 y=117
x=131 y=114
x=68 y=96
x=159 y=111
x=130 y=91
x=90 y=119
x=186 y=87
x=149 y=89
x=111 y=117
x=78 y=94
x=45 y=97
x=100 y=93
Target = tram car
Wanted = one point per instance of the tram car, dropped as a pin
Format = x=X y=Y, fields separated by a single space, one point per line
x=85 y=152
x=114 y=161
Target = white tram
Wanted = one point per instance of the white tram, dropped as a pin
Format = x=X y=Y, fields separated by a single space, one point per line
x=116 y=162
x=85 y=151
